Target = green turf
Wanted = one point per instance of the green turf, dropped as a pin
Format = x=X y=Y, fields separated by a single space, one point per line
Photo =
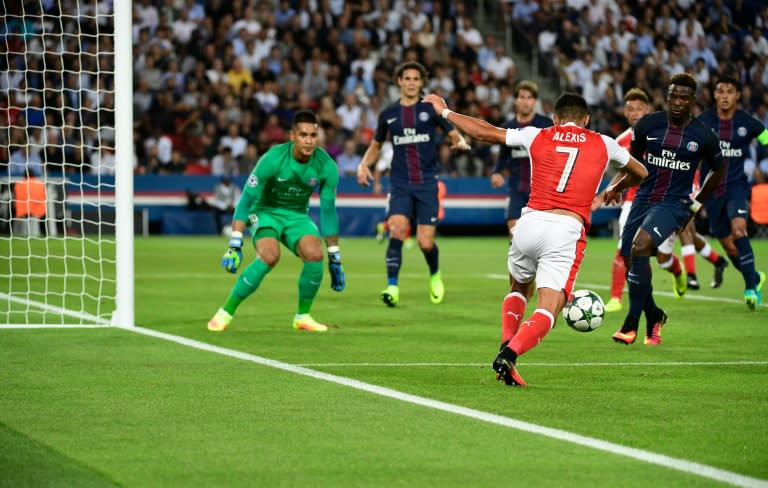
x=99 y=406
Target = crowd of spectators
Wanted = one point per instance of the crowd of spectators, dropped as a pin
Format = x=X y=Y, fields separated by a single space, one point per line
x=602 y=48
x=216 y=82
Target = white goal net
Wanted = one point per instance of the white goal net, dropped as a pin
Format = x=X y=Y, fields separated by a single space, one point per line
x=63 y=175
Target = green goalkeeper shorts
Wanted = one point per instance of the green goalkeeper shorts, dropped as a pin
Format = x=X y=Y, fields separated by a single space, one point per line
x=285 y=225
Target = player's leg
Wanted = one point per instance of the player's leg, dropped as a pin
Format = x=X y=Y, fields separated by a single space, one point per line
x=427 y=208
x=553 y=258
x=308 y=247
x=659 y=223
x=720 y=228
x=267 y=246
x=753 y=281
x=399 y=209
x=688 y=251
x=706 y=251
x=618 y=270
x=669 y=262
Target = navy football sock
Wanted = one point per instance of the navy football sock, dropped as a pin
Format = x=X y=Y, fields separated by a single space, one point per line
x=394 y=260
x=747 y=262
x=639 y=281
x=431 y=257
x=735 y=262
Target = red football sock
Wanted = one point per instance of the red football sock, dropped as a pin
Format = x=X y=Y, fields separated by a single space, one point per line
x=512 y=310
x=709 y=254
x=673 y=266
x=689 y=258
x=617 y=275
x=532 y=331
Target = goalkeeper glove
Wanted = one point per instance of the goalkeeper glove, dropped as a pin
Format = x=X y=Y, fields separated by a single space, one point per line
x=234 y=255
x=338 y=280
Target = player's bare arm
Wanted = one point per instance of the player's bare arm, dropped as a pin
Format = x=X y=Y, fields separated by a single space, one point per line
x=458 y=141
x=631 y=175
x=711 y=182
x=474 y=128
x=364 y=176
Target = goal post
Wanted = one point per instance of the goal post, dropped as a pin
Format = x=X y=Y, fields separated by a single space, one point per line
x=124 y=299
x=66 y=164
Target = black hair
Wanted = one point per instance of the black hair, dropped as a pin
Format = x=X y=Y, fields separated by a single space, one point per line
x=571 y=105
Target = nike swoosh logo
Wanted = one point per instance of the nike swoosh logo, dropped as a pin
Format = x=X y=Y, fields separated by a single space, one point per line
x=389 y=121
x=656 y=230
x=649 y=138
x=741 y=211
x=283 y=179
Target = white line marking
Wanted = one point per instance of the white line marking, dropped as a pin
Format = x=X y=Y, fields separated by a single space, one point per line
x=683 y=465
x=84 y=316
x=546 y=365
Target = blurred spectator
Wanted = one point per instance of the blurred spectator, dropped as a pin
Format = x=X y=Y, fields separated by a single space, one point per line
x=224 y=199
x=234 y=141
x=224 y=164
x=349 y=159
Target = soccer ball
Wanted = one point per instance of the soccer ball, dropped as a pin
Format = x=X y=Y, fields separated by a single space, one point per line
x=585 y=311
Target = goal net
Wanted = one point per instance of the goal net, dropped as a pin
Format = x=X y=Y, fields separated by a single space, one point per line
x=66 y=249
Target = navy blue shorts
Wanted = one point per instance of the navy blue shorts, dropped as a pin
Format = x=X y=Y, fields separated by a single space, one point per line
x=417 y=202
x=515 y=203
x=721 y=209
x=659 y=220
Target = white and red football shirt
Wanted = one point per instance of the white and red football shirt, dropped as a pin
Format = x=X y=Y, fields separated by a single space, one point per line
x=567 y=165
x=625 y=140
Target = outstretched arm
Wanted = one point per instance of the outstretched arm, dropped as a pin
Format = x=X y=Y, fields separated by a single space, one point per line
x=630 y=175
x=370 y=157
x=474 y=128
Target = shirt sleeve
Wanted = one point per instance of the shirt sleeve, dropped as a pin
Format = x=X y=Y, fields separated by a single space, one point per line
x=522 y=137
x=254 y=187
x=618 y=157
x=329 y=219
x=381 y=128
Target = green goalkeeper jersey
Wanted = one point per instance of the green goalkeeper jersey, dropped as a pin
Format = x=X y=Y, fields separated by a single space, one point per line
x=279 y=182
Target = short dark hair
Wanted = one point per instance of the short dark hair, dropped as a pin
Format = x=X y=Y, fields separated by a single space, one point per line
x=412 y=65
x=684 y=79
x=306 y=116
x=527 y=85
x=729 y=80
x=571 y=105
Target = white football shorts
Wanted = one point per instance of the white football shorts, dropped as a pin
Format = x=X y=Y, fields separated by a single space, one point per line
x=546 y=247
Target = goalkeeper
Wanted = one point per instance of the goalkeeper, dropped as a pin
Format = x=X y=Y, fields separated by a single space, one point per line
x=275 y=204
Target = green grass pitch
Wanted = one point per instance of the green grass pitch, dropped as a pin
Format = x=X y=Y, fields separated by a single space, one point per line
x=110 y=407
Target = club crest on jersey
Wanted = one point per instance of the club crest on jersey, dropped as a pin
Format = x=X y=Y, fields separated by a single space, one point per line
x=692 y=146
x=423 y=116
x=312 y=182
x=253 y=181
x=741 y=131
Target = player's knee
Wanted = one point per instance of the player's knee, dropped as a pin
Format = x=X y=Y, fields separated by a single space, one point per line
x=642 y=245
x=739 y=228
x=425 y=243
x=269 y=257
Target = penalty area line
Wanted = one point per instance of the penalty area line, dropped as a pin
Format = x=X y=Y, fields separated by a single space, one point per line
x=546 y=365
x=690 y=467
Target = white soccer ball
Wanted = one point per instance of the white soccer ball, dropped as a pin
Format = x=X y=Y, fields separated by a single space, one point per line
x=585 y=312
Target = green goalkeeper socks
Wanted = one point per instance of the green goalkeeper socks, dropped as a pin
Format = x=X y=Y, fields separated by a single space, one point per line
x=246 y=284
x=309 y=282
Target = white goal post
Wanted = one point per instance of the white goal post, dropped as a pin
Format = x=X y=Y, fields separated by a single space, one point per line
x=66 y=163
